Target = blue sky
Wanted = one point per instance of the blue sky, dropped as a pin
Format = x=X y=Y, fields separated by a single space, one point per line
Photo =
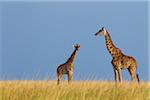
x=38 y=36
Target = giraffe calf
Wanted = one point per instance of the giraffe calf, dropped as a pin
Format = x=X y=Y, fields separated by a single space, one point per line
x=68 y=67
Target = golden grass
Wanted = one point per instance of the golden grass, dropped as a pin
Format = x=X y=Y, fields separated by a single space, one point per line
x=77 y=90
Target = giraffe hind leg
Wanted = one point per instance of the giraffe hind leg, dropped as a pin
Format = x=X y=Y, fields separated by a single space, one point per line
x=132 y=73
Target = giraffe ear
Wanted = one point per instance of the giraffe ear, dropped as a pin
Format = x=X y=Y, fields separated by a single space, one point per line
x=103 y=28
x=73 y=46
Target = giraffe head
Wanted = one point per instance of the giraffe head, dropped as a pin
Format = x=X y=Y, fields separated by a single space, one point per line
x=102 y=31
x=77 y=46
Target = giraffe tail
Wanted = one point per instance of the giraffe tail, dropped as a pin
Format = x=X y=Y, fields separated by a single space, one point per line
x=137 y=76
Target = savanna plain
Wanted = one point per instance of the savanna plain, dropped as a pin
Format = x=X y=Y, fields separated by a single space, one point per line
x=77 y=90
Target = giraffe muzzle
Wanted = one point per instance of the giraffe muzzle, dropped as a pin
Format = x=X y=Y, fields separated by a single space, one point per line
x=95 y=34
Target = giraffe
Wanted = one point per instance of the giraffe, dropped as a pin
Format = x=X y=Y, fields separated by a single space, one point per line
x=68 y=66
x=119 y=60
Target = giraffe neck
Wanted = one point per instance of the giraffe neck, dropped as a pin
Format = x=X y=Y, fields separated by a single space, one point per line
x=72 y=57
x=113 y=50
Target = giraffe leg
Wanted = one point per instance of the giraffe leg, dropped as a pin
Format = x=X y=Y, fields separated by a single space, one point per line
x=119 y=74
x=131 y=71
x=115 y=71
x=69 y=78
x=59 y=76
x=115 y=75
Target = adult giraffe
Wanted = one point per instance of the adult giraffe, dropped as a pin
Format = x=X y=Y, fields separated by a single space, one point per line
x=119 y=60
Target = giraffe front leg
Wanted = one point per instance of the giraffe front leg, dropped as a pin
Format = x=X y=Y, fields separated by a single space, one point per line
x=59 y=76
x=119 y=74
x=115 y=70
x=115 y=75
x=69 y=78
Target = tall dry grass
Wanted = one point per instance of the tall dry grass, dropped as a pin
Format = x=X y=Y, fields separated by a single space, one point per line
x=77 y=90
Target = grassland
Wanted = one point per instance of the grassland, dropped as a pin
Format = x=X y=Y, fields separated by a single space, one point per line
x=78 y=90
